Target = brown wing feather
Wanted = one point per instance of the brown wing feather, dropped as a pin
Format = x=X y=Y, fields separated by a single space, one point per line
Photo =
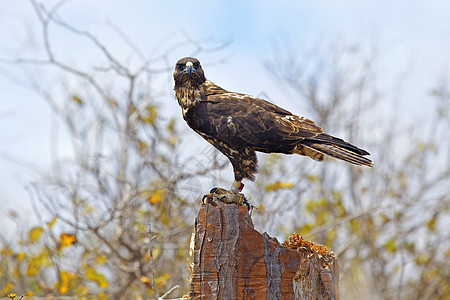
x=244 y=121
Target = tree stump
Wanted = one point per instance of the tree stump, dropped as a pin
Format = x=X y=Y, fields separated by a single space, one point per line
x=234 y=261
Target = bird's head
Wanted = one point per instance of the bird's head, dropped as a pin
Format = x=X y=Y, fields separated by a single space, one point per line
x=188 y=73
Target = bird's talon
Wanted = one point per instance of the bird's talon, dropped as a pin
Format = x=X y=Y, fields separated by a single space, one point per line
x=247 y=203
x=225 y=196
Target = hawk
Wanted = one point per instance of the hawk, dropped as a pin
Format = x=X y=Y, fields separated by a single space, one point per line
x=238 y=125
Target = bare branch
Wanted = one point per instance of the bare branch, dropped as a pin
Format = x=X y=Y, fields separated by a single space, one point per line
x=152 y=263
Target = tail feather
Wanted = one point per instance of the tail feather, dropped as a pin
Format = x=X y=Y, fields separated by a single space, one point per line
x=332 y=140
x=342 y=153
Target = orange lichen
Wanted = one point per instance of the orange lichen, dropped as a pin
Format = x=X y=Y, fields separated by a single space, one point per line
x=297 y=242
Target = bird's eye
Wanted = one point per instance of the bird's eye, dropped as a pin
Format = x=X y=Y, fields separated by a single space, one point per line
x=180 y=66
x=196 y=64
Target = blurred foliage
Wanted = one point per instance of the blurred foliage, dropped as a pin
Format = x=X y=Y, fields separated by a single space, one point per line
x=388 y=225
x=96 y=208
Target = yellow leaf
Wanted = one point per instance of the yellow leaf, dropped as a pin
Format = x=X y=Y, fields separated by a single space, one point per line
x=279 y=185
x=32 y=269
x=66 y=240
x=355 y=225
x=6 y=251
x=431 y=224
x=113 y=103
x=93 y=275
x=52 y=222
x=156 y=252
x=384 y=218
x=44 y=258
x=161 y=280
x=35 y=233
x=312 y=178
x=422 y=259
x=171 y=126
x=7 y=288
x=173 y=140
x=391 y=246
x=133 y=109
x=88 y=209
x=35 y=263
x=77 y=99
x=82 y=291
x=21 y=256
x=101 y=259
x=142 y=147
x=16 y=272
x=409 y=246
x=63 y=285
x=157 y=196
x=149 y=117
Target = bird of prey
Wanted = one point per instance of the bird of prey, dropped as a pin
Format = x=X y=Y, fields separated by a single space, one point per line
x=238 y=125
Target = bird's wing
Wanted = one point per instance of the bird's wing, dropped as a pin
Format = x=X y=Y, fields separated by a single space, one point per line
x=243 y=121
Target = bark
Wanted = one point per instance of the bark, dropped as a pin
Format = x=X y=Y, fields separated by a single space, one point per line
x=234 y=261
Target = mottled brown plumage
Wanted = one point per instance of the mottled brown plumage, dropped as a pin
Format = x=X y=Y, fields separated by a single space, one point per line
x=238 y=124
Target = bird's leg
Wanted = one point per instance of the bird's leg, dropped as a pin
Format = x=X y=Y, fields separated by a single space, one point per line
x=237 y=186
x=231 y=196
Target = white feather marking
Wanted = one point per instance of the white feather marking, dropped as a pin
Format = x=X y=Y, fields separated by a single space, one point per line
x=232 y=151
x=290 y=118
x=236 y=95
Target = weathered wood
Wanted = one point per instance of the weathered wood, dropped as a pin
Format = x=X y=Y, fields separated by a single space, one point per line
x=234 y=261
x=318 y=274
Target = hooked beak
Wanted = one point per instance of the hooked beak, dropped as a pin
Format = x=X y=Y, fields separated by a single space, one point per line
x=190 y=67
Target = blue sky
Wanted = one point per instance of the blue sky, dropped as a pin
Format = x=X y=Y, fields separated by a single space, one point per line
x=406 y=32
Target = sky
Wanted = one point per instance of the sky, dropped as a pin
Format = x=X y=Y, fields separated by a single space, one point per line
x=410 y=35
